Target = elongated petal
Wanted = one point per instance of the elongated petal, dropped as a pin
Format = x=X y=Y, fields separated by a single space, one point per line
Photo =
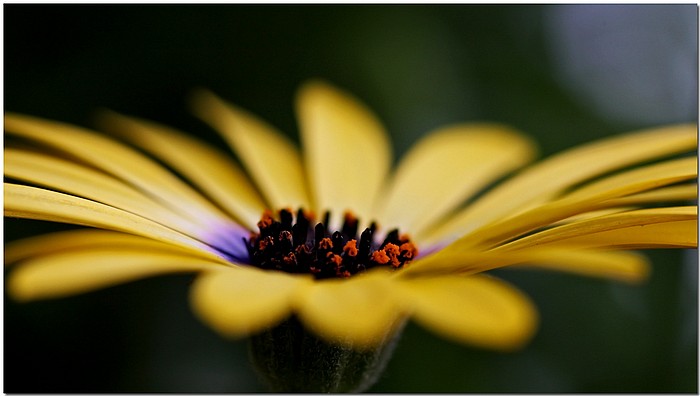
x=685 y=192
x=588 y=198
x=621 y=266
x=75 y=272
x=346 y=150
x=447 y=167
x=85 y=239
x=559 y=172
x=645 y=228
x=117 y=159
x=360 y=312
x=593 y=213
x=639 y=179
x=78 y=180
x=39 y=204
x=475 y=310
x=206 y=167
x=674 y=234
x=673 y=194
x=239 y=302
x=272 y=160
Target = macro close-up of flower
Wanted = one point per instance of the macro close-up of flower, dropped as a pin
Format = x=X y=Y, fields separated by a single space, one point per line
x=352 y=198
x=367 y=248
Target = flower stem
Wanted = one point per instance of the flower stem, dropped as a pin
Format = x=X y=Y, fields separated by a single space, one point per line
x=288 y=358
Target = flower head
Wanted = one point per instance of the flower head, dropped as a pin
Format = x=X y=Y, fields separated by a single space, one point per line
x=332 y=235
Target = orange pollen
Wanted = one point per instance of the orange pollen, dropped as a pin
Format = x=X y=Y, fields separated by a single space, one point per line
x=326 y=243
x=335 y=259
x=290 y=259
x=350 y=248
x=408 y=250
x=266 y=220
x=265 y=242
x=392 y=251
x=380 y=257
x=298 y=244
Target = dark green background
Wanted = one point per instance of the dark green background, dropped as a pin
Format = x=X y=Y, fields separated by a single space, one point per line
x=418 y=67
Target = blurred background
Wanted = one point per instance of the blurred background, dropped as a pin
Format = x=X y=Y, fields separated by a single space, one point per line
x=563 y=74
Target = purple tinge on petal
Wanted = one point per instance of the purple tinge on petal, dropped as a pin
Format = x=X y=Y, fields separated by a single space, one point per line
x=229 y=240
x=427 y=251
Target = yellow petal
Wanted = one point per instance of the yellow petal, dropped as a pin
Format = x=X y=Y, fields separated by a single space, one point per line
x=622 y=266
x=78 y=180
x=475 y=310
x=241 y=301
x=593 y=213
x=272 y=160
x=686 y=192
x=676 y=193
x=208 y=168
x=346 y=150
x=84 y=239
x=644 y=228
x=39 y=204
x=588 y=198
x=360 y=312
x=675 y=234
x=639 y=179
x=447 y=167
x=64 y=274
x=117 y=159
x=559 y=172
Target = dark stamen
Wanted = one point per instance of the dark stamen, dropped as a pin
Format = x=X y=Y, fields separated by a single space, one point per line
x=365 y=243
x=326 y=218
x=300 y=248
x=286 y=219
x=391 y=237
x=350 y=225
x=319 y=232
x=338 y=242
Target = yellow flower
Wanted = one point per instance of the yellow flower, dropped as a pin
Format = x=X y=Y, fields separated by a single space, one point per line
x=162 y=202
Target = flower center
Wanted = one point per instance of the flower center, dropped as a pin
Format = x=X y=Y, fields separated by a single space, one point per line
x=299 y=247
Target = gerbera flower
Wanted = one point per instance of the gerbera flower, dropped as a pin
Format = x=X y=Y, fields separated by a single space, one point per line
x=321 y=255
